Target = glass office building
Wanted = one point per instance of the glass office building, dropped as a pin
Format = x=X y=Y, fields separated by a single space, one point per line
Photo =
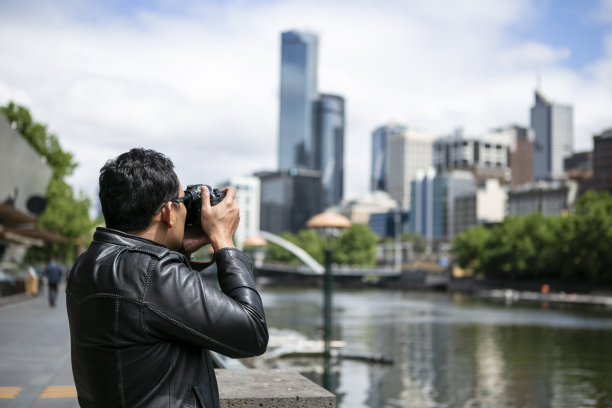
x=329 y=146
x=288 y=199
x=433 y=198
x=298 y=92
x=553 y=127
x=378 y=162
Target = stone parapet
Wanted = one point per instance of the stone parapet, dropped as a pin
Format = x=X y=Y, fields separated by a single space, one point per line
x=274 y=388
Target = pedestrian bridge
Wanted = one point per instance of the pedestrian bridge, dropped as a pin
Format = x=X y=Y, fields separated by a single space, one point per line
x=312 y=267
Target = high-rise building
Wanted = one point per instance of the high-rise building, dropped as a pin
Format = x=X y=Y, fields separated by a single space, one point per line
x=553 y=126
x=446 y=188
x=329 y=146
x=484 y=153
x=486 y=205
x=601 y=179
x=311 y=128
x=602 y=160
x=398 y=152
x=298 y=92
x=248 y=199
x=579 y=166
x=421 y=204
x=378 y=163
x=433 y=197
x=521 y=154
x=289 y=198
x=408 y=151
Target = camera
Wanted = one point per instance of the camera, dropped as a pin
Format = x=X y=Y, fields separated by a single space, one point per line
x=194 y=202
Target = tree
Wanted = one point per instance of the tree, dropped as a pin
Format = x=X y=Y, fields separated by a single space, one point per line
x=570 y=247
x=469 y=247
x=277 y=253
x=310 y=242
x=593 y=234
x=65 y=214
x=356 y=246
x=419 y=245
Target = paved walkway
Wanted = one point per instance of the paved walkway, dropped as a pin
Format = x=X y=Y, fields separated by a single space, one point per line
x=35 y=355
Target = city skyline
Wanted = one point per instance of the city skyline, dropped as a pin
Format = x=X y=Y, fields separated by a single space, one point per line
x=199 y=81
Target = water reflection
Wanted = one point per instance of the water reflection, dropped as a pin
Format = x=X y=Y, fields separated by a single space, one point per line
x=457 y=351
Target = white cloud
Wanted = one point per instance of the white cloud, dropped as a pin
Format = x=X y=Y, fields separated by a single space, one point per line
x=604 y=13
x=201 y=84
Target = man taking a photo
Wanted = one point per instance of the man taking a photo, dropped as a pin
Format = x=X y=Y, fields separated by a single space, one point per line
x=142 y=319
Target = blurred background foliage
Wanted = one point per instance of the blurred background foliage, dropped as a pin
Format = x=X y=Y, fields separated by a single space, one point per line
x=66 y=213
x=571 y=247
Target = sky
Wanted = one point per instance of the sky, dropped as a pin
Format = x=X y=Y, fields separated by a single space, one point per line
x=199 y=80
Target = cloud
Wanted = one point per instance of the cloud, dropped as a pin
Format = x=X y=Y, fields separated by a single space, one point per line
x=604 y=11
x=199 y=81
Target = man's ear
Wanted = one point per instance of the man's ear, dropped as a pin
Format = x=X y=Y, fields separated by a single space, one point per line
x=166 y=215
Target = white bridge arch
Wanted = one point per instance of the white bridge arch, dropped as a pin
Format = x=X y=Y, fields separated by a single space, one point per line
x=316 y=267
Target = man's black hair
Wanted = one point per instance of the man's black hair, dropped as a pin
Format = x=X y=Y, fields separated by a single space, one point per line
x=133 y=185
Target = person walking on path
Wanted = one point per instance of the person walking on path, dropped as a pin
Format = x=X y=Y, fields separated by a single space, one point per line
x=54 y=274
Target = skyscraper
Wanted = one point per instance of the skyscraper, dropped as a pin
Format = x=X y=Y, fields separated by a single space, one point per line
x=408 y=152
x=378 y=163
x=298 y=92
x=329 y=146
x=553 y=126
x=311 y=129
x=289 y=198
x=432 y=213
x=398 y=152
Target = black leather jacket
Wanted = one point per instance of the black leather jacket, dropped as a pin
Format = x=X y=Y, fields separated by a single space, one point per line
x=142 y=321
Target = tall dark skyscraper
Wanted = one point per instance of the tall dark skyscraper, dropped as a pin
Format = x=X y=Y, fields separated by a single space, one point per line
x=311 y=129
x=298 y=92
x=289 y=198
x=329 y=146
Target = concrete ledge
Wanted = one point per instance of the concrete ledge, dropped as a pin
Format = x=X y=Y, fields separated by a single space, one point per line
x=257 y=388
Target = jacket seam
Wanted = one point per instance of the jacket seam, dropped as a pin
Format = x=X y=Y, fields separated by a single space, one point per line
x=103 y=295
x=118 y=352
x=195 y=332
x=145 y=292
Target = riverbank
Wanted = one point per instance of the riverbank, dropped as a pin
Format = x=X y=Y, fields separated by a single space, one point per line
x=510 y=295
x=419 y=280
x=534 y=291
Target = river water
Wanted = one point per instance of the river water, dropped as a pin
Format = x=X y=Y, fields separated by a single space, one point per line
x=452 y=350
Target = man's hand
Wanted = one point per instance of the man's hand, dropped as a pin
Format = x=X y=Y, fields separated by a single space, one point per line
x=221 y=221
x=194 y=239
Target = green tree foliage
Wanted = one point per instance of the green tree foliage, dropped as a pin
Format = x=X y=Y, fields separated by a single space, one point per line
x=356 y=246
x=572 y=247
x=469 y=247
x=593 y=236
x=419 y=245
x=65 y=214
x=277 y=253
x=310 y=242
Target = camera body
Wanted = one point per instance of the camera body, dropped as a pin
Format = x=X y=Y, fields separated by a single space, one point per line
x=194 y=202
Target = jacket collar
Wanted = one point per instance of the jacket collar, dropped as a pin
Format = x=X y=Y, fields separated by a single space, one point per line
x=113 y=236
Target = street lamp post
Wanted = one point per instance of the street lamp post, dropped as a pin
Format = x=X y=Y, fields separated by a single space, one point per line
x=329 y=226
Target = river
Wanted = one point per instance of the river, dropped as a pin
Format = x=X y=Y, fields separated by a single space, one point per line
x=454 y=350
